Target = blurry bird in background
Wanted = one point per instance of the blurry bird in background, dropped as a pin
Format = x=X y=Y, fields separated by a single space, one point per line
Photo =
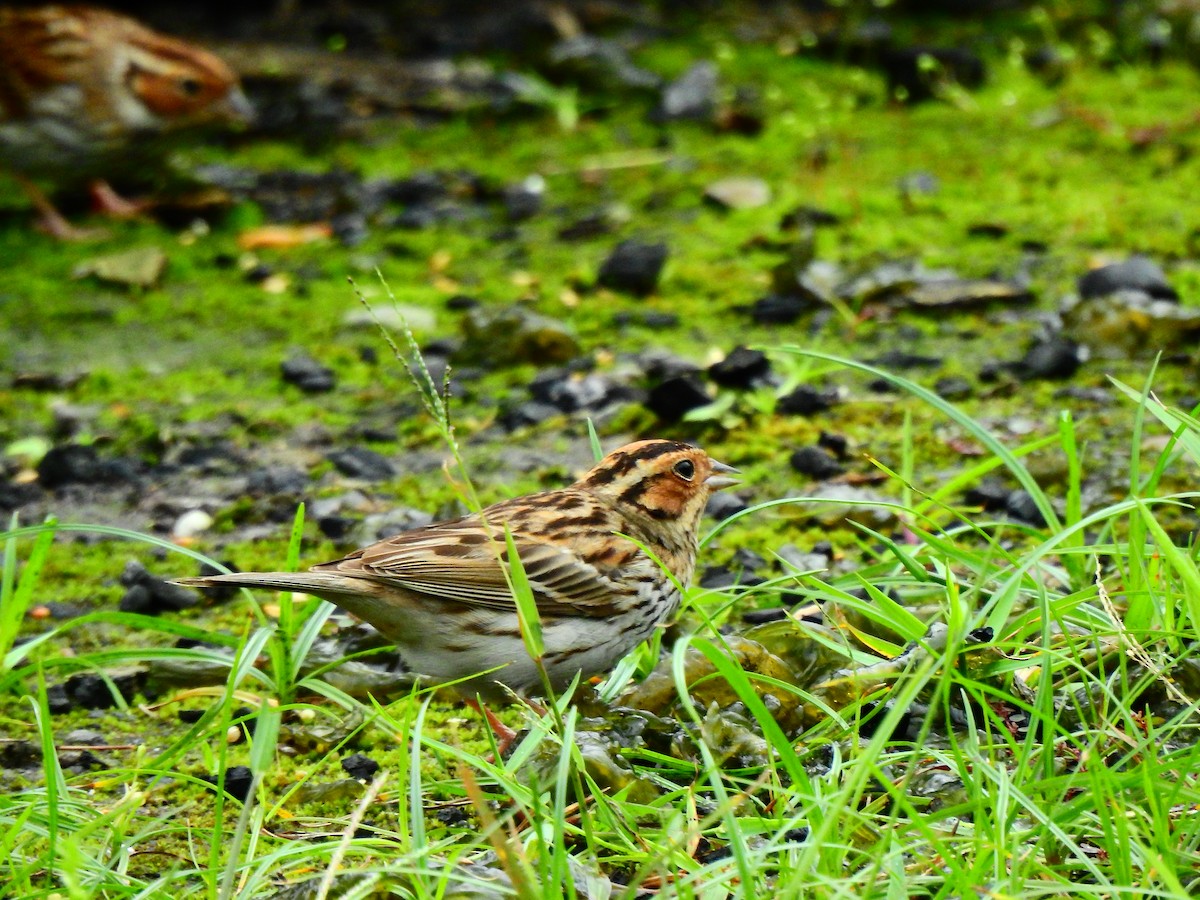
x=84 y=92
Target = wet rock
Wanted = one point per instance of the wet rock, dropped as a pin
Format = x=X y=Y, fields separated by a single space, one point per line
x=506 y=335
x=815 y=463
x=237 y=782
x=1138 y=273
x=633 y=267
x=85 y=690
x=693 y=95
x=742 y=368
x=738 y=192
x=1131 y=323
x=359 y=766
x=307 y=374
x=598 y=63
x=524 y=200
x=805 y=400
x=148 y=594
x=1021 y=506
x=272 y=481
x=362 y=463
x=80 y=464
x=1054 y=357
x=672 y=398
x=722 y=505
x=953 y=387
x=916 y=74
x=780 y=309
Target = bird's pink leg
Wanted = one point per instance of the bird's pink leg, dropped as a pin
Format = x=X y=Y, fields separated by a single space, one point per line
x=504 y=735
x=50 y=220
x=106 y=200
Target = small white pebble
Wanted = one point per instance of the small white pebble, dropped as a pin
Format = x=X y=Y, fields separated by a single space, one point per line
x=191 y=523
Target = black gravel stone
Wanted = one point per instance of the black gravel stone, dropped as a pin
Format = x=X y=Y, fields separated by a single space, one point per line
x=742 y=368
x=274 y=480
x=953 y=388
x=359 y=766
x=20 y=754
x=670 y=399
x=834 y=443
x=902 y=360
x=420 y=187
x=1055 y=357
x=815 y=462
x=14 y=496
x=80 y=464
x=1019 y=504
x=780 y=309
x=88 y=691
x=531 y=412
x=237 y=783
x=660 y=320
x=336 y=528
x=359 y=462
x=524 y=200
x=989 y=495
x=634 y=267
x=461 y=303
x=58 y=701
x=808 y=216
x=149 y=594
x=308 y=374
x=804 y=401
x=1138 y=273
x=723 y=504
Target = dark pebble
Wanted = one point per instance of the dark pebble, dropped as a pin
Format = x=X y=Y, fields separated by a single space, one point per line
x=634 y=267
x=308 y=374
x=723 y=504
x=150 y=594
x=531 y=412
x=780 y=309
x=815 y=462
x=259 y=273
x=660 y=320
x=190 y=716
x=461 y=303
x=80 y=464
x=14 y=496
x=953 y=388
x=748 y=561
x=524 y=200
x=18 y=754
x=420 y=187
x=1019 y=504
x=359 y=766
x=88 y=691
x=717 y=577
x=274 y=480
x=990 y=495
x=359 y=462
x=834 y=443
x=237 y=783
x=805 y=400
x=672 y=398
x=1055 y=357
x=1138 y=273
x=742 y=368
x=336 y=528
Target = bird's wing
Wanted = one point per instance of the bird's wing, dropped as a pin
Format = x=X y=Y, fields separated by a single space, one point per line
x=465 y=561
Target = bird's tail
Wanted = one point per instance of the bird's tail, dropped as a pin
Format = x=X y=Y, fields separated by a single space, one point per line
x=323 y=584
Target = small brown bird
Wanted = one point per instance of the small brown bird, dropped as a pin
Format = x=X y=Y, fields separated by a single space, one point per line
x=84 y=91
x=440 y=592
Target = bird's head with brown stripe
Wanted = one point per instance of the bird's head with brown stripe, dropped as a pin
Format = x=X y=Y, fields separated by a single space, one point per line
x=591 y=554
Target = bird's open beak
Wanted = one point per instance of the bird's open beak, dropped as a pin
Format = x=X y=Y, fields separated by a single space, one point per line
x=722 y=476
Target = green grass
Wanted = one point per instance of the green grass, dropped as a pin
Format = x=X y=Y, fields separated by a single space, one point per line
x=1050 y=754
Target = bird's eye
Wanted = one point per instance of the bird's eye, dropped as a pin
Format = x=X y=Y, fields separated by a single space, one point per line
x=189 y=86
x=685 y=469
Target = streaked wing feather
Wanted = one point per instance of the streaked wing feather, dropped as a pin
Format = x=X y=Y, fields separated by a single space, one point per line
x=438 y=562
